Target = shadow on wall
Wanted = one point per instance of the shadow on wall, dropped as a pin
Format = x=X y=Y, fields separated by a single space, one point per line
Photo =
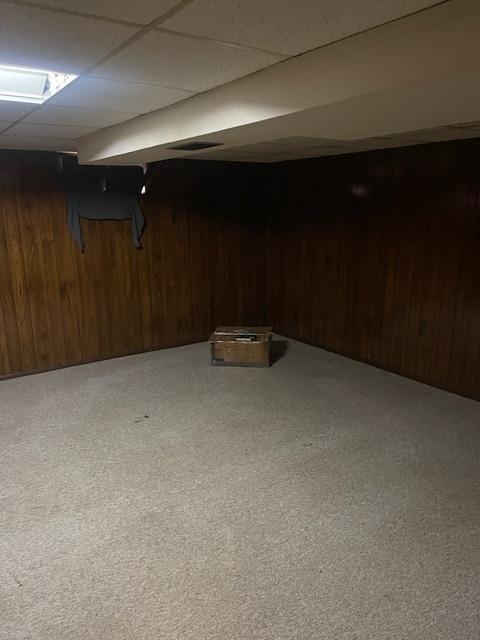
x=278 y=350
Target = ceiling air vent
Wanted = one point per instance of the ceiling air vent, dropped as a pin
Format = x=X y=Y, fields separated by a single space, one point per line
x=195 y=146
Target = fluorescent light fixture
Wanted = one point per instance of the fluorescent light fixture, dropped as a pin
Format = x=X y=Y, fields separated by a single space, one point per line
x=19 y=84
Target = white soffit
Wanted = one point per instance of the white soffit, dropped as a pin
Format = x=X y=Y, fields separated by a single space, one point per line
x=400 y=77
x=137 y=11
x=34 y=38
x=183 y=63
x=89 y=92
x=287 y=26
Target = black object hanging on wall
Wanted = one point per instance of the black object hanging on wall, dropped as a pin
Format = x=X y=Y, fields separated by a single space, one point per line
x=102 y=193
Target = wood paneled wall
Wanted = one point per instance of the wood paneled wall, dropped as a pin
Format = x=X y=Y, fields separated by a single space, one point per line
x=373 y=255
x=377 y=256
x=203 y=263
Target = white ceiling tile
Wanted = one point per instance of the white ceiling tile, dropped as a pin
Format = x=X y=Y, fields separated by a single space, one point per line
x=49 y=131
x=407 y=136
x=289 y=148
x=227 y=154
x=337 y=151
x=140 y=11
x=292 y=147
x=268 y=152
x=303 y=142
x=36 y=144
x=76 y=116
x=32 y=37
x=184 y=63
x=473 y=126
x=381 y=142
x=445 y=134
x=247 y=157
x=254 y=158
x=436 y=134
x=12 y=111
x=313 y=153
x=234 y=155
x=288 y=26
x=375 y=143
x=111 y=94
x=260 y=147
x=273 y=157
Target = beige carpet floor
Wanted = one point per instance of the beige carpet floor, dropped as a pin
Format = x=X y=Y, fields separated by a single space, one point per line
x=157 y=498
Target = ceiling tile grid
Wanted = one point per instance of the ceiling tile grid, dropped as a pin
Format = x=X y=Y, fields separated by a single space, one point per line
x=13 y=111
x=179 y=48
x=76 y=116
x=132 y=97
x=44 y=34
x=49 y=130
x=31 y=37
x=287 y=26
x=36 y=143
x=138 y=11
x=183 y=63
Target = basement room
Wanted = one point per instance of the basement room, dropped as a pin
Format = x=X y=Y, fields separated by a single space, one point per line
x=239 y=320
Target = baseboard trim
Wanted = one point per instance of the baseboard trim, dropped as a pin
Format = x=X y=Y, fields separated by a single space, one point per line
x=375 y=364
x=32 y=372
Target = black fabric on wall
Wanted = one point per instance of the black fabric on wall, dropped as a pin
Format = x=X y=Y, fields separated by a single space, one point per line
x=102 y=193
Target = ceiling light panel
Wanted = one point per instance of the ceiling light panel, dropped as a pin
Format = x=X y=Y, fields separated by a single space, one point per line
x=18 y=84
x=31 y=37
x=182 y=63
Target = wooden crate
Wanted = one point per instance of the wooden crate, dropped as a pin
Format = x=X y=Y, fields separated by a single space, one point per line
x=229 y=348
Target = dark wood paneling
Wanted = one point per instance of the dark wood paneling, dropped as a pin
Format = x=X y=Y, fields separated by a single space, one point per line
x=377 y=256
x=372 y=255
x=203 y=263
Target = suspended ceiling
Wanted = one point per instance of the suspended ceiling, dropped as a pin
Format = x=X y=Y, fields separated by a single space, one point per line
x=270 y=79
